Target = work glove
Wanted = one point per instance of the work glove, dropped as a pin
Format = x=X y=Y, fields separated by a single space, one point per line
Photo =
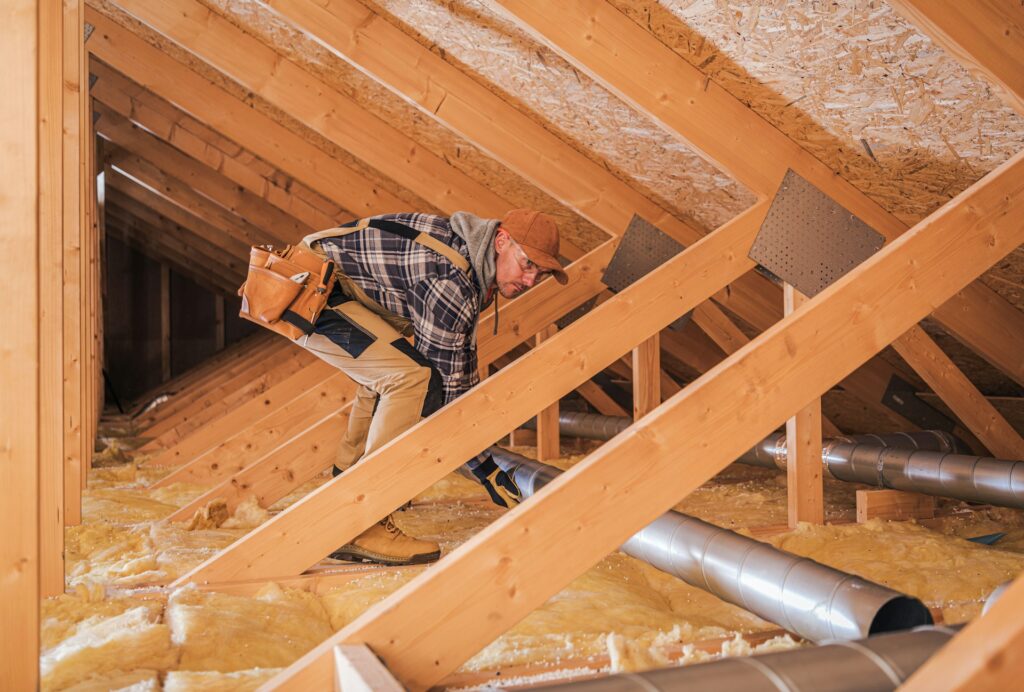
x=499 y=485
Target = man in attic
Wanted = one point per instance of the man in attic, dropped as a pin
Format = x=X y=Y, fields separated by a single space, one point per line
x=429 y=277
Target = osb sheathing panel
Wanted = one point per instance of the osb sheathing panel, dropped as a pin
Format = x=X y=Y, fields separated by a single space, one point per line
x=861 y=88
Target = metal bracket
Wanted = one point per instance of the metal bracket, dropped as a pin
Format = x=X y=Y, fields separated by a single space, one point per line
x=809 y=240
x=901 y=397
x=643 y=249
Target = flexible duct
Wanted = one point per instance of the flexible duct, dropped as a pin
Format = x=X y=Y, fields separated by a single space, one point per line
x=875 y=664
x=924 y=462
x=799 y=594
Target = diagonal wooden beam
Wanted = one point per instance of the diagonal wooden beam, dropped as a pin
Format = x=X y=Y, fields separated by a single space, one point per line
x=985 y=37
x=131 y=195
x=150 y=175
x=608 y=497
x=985 y=655
x=268 y=139
x=316 y=104
x=149 y=244
x=623 y=57
x=255 y=210
x=186 y=248
x=393 y=474
x=230 y=265
x=398 y=62
x=191 y=137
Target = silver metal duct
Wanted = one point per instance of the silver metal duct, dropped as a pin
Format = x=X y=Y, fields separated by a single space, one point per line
x=926 y=468
x=924 y=462
x=807 y=598
x=875 y=664
x=589 y=426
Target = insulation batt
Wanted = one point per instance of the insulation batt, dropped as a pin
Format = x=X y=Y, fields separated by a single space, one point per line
x=621 y=613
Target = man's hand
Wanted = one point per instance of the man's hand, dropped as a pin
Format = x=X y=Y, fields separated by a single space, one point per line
x=499 y=485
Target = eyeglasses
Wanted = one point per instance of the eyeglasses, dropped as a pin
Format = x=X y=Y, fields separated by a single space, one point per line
x=526 y=265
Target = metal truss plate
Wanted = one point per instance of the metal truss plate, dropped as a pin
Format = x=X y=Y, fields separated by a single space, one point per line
x=573 y=315
x=808 y=240
x=643 y=248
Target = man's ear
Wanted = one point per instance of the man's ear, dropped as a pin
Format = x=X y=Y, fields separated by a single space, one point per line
x=501 y=240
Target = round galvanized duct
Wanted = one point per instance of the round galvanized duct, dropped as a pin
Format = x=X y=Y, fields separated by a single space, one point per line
x=876 y=664
x=589 y=426
x=925 y=462
x=807 y=598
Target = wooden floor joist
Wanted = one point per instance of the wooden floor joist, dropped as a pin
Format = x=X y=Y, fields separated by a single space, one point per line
x=733 y=407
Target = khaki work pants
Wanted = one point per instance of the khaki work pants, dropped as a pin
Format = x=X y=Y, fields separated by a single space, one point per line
x=397 y=385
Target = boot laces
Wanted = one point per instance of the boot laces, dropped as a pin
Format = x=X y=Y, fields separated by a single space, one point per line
x=389 y=526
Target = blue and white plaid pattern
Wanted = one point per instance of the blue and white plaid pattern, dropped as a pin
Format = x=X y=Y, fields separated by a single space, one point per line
x=413 y=281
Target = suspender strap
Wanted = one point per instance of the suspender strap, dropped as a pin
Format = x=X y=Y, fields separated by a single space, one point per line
x=399 y=229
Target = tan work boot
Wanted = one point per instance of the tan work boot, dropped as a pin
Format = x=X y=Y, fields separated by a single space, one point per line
x=384 y=543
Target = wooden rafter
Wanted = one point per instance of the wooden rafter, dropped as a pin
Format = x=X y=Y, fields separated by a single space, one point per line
x=985 y=37
x=608 y=496
x=441 y=91
x=186 y=134
x=268 y=139
x=200 y=177
x=623 y=57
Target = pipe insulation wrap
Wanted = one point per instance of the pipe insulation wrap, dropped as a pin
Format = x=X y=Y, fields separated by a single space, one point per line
x=876 y=664
x=805 y=597
x=926 y=462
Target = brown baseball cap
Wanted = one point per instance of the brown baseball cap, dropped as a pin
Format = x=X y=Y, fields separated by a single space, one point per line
x=537 y=234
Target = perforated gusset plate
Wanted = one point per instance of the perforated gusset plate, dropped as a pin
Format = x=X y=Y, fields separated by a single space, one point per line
x=573 y=315
x=808 y=240
x=643 y=248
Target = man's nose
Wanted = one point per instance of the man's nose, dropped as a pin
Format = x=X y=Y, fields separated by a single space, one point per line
x=529 y=279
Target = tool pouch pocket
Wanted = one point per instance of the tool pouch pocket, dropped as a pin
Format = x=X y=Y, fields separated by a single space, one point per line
x=285 y=290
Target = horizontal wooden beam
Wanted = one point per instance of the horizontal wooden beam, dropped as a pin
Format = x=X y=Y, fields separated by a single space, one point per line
x=608 y=496
x=420 y=456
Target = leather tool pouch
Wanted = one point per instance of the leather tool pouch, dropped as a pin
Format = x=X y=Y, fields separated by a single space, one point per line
x=285 y=290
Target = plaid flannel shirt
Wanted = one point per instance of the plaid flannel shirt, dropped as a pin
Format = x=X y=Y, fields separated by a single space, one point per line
x=413 y=281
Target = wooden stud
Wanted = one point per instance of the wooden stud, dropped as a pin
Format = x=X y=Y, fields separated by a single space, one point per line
x=400 y=470
x=596 y=397
x=985 y=37
x=624 y=58
x=549 y=444
x=165 y=323
x=76 y=189
x=358 y=670
x=646 y=377
x=985 y=655
x=962 y=397
x=21 y=425
x=895 y=505
x=608 y=496
x=220 y=325
x=805 y=490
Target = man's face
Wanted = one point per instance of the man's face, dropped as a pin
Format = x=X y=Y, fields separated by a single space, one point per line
x=514 y=271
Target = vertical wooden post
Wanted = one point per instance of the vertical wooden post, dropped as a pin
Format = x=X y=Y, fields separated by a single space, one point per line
x=165 y=322
x=76 y=74
x=24 y=33
x=805 y=492
x=51 y=299
x=548 y=438
x=646 y=377
x=220 y=326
